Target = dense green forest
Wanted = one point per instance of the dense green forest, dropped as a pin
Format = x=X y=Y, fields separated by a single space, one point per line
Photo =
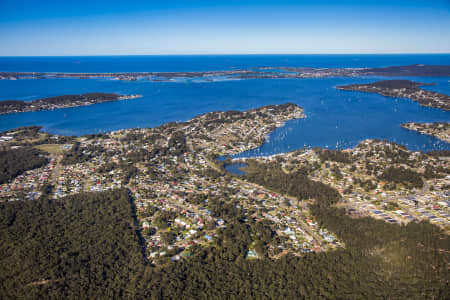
x=404 y=176
x=86 y=246
x=82 y=246
x=14 y=162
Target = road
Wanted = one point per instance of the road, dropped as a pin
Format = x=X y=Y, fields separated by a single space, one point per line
x=55 y=173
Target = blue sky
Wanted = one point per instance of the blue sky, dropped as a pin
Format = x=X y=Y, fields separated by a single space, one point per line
x=44 y=27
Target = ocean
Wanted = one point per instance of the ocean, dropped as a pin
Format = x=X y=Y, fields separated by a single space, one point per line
x=190 y=63
x=335 y=118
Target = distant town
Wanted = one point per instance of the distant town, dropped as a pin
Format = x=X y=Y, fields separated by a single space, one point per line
x=255 y=73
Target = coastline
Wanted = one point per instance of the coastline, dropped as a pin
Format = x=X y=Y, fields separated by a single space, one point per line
x=403 y=89
x=440 y=130
x=252 y=73
x=60 y=102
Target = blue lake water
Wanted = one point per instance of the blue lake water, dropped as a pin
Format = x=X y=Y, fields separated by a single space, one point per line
x=335 y=119
x=235 y=168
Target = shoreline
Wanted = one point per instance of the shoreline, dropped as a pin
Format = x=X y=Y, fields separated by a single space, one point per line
x=439 y=130
x=403 y=89
x=252 y=73
x=60 y=102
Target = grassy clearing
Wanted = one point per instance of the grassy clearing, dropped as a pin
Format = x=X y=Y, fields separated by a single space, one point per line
x=51 y=148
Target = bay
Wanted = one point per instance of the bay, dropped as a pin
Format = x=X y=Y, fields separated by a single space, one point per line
x=335 y=118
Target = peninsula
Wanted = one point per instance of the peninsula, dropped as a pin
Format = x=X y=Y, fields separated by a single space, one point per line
x=64 y=101
x=403 y=89
x=440 y=130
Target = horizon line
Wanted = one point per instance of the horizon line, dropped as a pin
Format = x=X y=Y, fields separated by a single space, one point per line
x=231 y=54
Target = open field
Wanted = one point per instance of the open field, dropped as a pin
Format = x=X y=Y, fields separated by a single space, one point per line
x=52 y=148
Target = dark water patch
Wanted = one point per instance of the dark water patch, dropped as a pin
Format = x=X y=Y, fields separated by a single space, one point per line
x=236 y=168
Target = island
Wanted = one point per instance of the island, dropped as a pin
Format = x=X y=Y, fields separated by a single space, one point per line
x=126 y=212
x=440 y=130
x=254 y=73
x=64 y=101
x=403 y=89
